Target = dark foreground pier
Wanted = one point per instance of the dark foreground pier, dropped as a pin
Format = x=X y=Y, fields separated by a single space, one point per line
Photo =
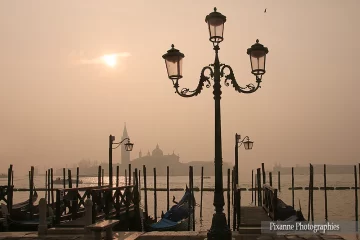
x=106 y=212
x=172 y=236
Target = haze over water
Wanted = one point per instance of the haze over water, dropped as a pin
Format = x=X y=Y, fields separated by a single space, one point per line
x=341 y=203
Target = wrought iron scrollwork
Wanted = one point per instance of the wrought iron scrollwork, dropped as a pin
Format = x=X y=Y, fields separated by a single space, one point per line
x=251 y=88
x=204 y=80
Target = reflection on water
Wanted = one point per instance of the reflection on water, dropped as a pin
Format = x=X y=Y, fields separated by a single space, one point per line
x=341 y=203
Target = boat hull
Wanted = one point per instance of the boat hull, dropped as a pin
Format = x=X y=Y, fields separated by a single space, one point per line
x=168 y=225
x=23 y=226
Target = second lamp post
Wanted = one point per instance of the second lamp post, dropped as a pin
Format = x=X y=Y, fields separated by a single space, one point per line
x=128 y=147
x=173 y=60
x=248 y=146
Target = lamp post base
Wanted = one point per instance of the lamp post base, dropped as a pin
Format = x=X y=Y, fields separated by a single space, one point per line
x=219 y=229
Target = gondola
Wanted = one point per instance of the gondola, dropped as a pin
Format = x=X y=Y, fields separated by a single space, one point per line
x=25 y=224
x=26 y=203
x=20 y=211
x=178 y=217
x=288 y=213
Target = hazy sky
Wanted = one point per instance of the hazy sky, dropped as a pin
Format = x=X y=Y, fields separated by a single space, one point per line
x=59 y=102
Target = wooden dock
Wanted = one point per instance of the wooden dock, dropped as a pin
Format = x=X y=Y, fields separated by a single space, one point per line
x=252 y=216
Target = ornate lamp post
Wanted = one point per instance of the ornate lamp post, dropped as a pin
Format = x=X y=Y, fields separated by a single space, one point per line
x=173 y=60
x=248 y=146
x=128 y=147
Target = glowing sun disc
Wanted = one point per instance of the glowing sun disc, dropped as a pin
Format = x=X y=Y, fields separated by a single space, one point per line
x=110 y=60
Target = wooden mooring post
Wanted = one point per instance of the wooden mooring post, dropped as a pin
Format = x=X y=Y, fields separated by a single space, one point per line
x=356 y=201
x=145 y=191
x=270 y=179
x=233 y=194
x=99 y=176
x=325 y=194
x=279 y=185
x=167 y=189
x=46 y=184
x=155 y=196
x=201 y=191
x=117 y=175
x=252 y=186
x=191 y=202
x=228 y=197
x=31 y=204
x=64 y=178
x=129 y=173
x=255 y=188
x=77 y=177
x=232 y=186
x=126 y=181
x=134 y=178
x=69 y=178
x=139 y=181
x=10 y=176
x=192 y=194
x=292 y=187
x=312 y=194
x=190 y=199
x=52 y=186
x=259 y=187
x=263 y=173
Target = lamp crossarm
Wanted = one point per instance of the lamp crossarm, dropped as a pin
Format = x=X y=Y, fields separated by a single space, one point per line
x=242 y=141
x=119 y=143
x=251 y=88
x=186 y=92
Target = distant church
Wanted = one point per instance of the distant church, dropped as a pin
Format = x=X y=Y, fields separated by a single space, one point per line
x=151 y=160
x=157 y=159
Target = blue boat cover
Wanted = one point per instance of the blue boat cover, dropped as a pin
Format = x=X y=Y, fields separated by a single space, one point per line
x=176 y=214
x=164 y=223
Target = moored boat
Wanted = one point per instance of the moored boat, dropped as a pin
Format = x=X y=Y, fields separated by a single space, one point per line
x=288 y=213
x=24 y=224
x=19 y=211
x=178 y=217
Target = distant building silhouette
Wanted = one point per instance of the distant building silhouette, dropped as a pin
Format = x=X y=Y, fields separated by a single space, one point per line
x=156 y=159
x=125 y=155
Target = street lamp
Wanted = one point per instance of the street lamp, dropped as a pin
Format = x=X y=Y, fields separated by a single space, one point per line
x=128 y=147
x=173 y=60
x=248 y=146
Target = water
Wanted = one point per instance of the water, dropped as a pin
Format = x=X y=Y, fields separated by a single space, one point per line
x=341 y=203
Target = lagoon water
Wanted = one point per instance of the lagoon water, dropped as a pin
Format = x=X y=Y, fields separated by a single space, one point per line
x=341 y=203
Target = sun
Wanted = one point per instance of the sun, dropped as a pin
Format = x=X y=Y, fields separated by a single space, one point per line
x=110 y=60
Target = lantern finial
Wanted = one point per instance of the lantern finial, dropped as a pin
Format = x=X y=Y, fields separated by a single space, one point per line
x=215 y=9
x=257 y=40
x=172 y=46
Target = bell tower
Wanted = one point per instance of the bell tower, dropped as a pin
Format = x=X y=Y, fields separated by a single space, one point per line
x=125 y=155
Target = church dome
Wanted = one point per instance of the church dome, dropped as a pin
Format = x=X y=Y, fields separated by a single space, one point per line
x=157 y=151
